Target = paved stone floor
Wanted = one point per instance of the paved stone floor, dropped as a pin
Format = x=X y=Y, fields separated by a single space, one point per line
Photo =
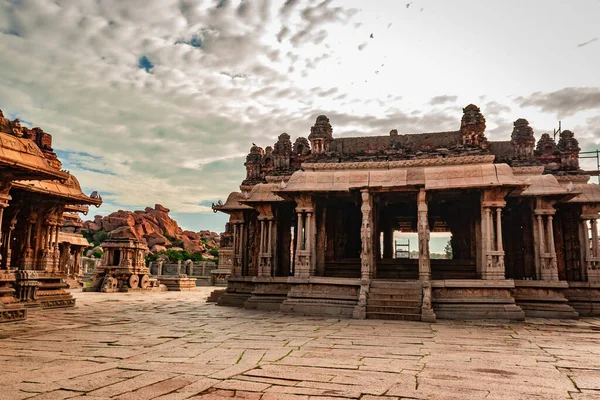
x=175 y=346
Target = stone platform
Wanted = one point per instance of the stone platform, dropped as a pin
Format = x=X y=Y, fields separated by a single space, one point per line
x=179 y=283
x=545 y=299
x=174 y=345
x=584 y=297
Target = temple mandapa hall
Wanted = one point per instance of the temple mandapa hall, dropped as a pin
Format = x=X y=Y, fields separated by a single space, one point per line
x=312 y=229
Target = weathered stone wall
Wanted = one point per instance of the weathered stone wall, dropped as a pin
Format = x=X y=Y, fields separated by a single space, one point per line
x=413 y=142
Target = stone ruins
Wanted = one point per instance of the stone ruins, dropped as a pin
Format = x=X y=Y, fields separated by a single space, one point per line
x=311 y=230
x=123 y=268
x=36 y=198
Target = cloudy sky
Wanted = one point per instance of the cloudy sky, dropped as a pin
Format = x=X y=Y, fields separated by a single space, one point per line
x=158 y=101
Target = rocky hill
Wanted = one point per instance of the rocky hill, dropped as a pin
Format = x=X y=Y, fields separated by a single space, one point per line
x=154 y=227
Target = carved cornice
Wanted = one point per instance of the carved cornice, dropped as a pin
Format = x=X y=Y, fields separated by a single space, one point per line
x=573 y=178
x=277 y=178
x=535 y=170
x=423 y=162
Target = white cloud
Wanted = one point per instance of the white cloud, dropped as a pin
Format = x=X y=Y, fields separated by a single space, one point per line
x=226 y=77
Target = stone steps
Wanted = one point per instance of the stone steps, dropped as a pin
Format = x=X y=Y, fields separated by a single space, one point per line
x=395 y=300
x=393 y=310
x=394 y=316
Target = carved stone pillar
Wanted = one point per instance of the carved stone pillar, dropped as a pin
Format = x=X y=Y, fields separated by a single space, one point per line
x=366 y=253
x=366 y=236
x=237 y=249
x=552 y=249
x=241 y=249
x=304 y=259
x=301 y=235
x=493 y=259
x=47 y=253
x=423 y=232
x=265 y=268
x=7 y=244
x=311 y=240
x=26 y=257
x=56 y=259
x=5 y=185
x=235 y=270
x=302 y=256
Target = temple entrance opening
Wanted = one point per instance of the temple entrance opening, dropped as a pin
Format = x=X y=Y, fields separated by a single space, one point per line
x=452 y=216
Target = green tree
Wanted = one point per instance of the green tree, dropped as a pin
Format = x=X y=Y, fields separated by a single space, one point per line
x=448 y=250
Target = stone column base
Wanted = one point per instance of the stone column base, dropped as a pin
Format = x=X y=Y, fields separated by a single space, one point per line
x=10 y=308
x=52 y=291
x=180 y=283
x=268 y=294
x=543 y=299
x=475 y=299
x=322 y=296
x=239 y=290
x=584 y=297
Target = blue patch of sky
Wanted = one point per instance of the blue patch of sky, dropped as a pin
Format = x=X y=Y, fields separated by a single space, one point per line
x=201 y=221
x=10 y=32
x=70 y=163
x=145 y=63
x=195 y=41
x=13 y=116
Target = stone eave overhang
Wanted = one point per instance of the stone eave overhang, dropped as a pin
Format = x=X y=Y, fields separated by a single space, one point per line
x=25 y=160
x=232 y=204
x=433 y=174
x=58 y=190
x=418 y=162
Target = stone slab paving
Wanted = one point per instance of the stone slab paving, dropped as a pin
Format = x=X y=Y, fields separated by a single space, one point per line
x=173 y=346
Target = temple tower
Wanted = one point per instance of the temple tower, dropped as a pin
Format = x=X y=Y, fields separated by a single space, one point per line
x=321 y=134
x=522 y=138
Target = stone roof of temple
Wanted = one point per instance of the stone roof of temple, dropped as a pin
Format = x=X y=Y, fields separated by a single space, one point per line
x=75 y=239
x=404 y=144
x=468 y=141
x=262 y=193
x=590 y=193
x=232 y=203
x=28 y=155
x=69 y=190
x=77 y=208
x=22 y=154
x=434 y=174
x=546 y=185
x=502 y=149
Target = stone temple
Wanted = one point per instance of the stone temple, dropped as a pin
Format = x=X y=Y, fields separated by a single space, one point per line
x=312 y=229
x=37 y=198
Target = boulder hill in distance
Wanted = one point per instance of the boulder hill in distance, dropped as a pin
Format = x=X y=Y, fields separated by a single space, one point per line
x=154 y=227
